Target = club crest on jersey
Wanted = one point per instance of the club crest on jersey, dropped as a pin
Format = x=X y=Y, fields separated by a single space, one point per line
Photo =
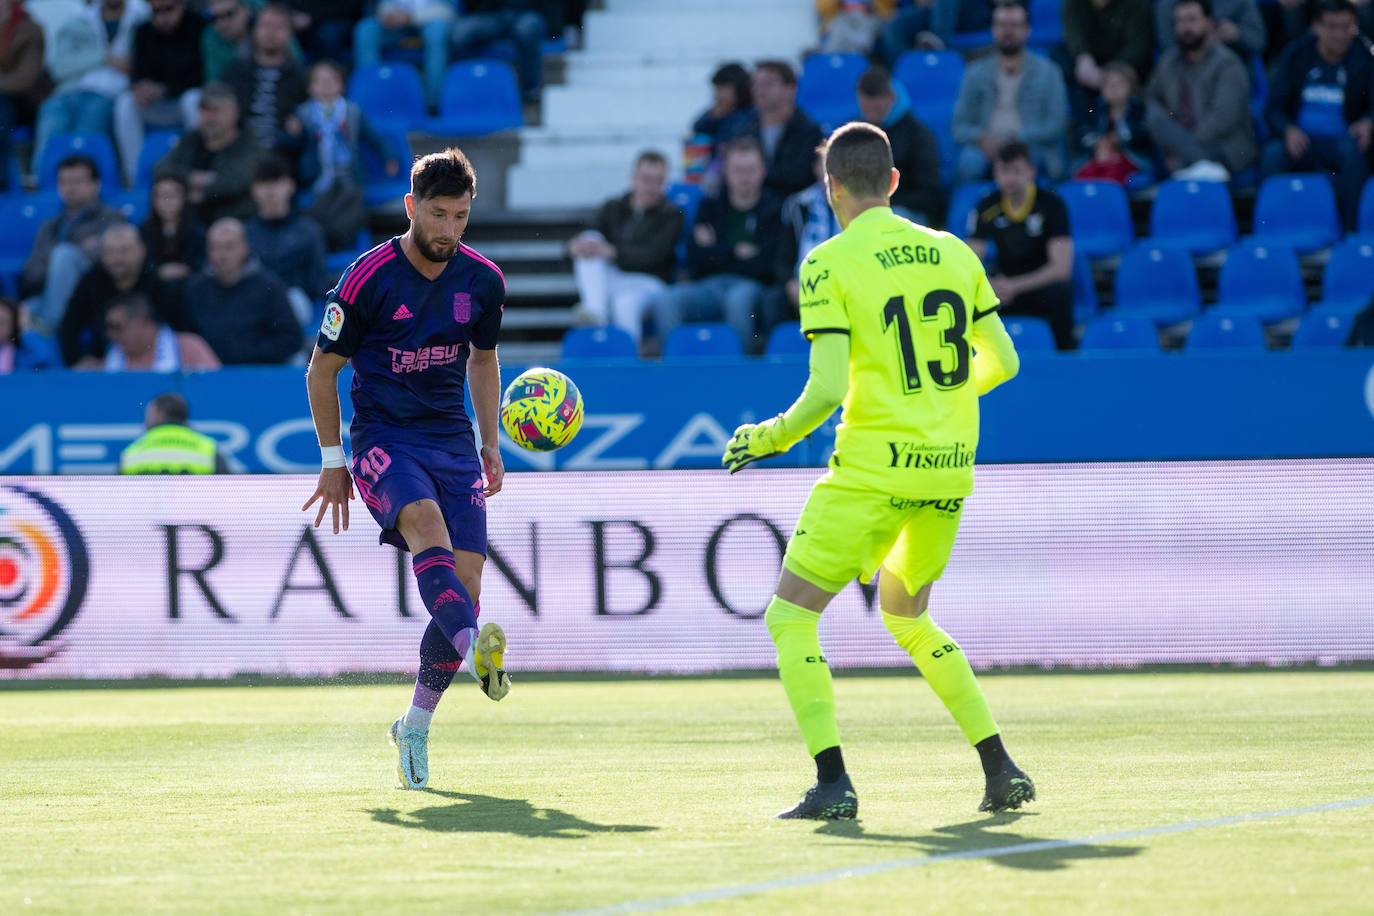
x=462 y=307
x=333 y=321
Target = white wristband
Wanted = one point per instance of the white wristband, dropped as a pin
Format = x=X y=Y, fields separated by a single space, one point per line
x=332 y=456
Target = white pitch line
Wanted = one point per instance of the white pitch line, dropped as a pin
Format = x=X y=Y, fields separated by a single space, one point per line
x=991 y=852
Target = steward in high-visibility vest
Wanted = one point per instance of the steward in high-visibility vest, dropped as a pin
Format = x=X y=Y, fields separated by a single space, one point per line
x=169 y=446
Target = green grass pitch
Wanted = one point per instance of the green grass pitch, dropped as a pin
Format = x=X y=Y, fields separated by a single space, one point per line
x=585 y=794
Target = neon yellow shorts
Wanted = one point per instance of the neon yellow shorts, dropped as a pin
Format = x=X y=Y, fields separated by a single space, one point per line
x=848 y=531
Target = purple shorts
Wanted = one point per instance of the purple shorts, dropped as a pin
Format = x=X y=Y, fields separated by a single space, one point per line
x=392 y=477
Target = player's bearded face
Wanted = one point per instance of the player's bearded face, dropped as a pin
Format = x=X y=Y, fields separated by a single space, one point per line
x=437 y=225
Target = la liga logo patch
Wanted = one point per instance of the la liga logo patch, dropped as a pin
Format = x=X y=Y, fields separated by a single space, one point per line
x=333 y=321
x=44 y=571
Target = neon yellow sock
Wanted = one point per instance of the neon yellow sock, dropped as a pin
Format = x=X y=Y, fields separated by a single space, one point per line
x=942 y=663
x=805 y=673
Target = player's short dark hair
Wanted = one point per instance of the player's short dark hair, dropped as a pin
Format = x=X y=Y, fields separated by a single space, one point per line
x=858 y=157
x=1205 y=5
x=1013 y=150
x=1322 y=7
x=443 y=174
x=736 y=77
x=651 y=157
x=1012 y=4
x=78 y=161
x=272 y=168
x=280 y=9
x=134 y=302
x=173 y=407
x=745 y=144
x=875 y=82
x=215 y=92
x=780 y=68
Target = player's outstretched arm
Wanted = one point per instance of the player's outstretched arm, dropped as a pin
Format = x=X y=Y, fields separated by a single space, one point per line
x=825 y=389
x=484 y=379
x=994 y=355
x=335 y=487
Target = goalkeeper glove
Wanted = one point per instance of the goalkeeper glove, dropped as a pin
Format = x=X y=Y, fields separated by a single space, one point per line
x=754 y=442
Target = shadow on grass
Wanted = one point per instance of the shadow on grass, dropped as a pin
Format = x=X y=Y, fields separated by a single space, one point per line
x=976 y=840
x=489 y=814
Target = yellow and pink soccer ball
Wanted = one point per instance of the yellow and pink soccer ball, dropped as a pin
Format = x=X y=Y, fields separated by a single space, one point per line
x=541 y=410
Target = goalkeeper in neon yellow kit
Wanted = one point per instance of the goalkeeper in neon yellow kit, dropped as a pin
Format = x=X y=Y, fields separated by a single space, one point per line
x=904 y=333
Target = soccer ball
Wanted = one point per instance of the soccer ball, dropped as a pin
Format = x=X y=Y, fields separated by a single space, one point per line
x=541 y=410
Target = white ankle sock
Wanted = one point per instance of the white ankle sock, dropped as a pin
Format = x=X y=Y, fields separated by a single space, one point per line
x=416 y=717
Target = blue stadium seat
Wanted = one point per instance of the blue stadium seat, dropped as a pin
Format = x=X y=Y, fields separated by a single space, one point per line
x=1108 y=333
x=607 y=342
x=933 y=75
x=1322 y=330
x=20 y=216
x=1222 y=332
x=687 y=198
x=480 y=96
x=786 y=340
x=961 y=204
x=97 y=146
x=1262 y=281
x=1099 y=217
x=381 y=187
x=1297 y=211
x=134 y=204
x=1085 y=306
x=826 y=87
x=1348 y=283
x=703 y=338
x=1046 y=23
x=1196 y=216
x=1156 y=283
x=938 y=117
x=389 y=95
x=1031 y=335
x=1366 y=220
x=156 y=144
x=971 y=41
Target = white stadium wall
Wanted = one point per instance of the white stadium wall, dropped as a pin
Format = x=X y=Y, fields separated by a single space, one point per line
x=1251 y=562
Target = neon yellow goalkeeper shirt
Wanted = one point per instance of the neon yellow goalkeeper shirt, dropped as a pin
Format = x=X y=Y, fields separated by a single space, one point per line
x=915 y=303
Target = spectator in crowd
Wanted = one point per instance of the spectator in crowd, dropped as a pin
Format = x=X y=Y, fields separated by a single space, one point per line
x=24 y=82
x=139 y=342
x=1010 y=95
x=230 y=36
x=731 y=253
x=1097 y=32
x=22 y=350
x=66 y=245
x=123 y=268
x=268 y=84
x=286 y=243
x=915 y=153
x=1030 y=227
x=1198 y=100
x=1320 y=106
x=406 y=23
x=238 y=307
x=172 y=236
x=787 y=137
x=325 y=27
x=1289 y=20
x=217 y=160
x=165 y=82
x=629 y=253
x=1236 y=24
x=91 y=57
x=329 y=132
x=931 y=24
x=1115 y=141
x=730 y=114
x=850 y=26
x=806 y=221
x=520 y=21
x=170 y=446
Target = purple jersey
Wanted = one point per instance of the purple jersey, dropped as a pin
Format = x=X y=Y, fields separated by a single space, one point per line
x=408 y=340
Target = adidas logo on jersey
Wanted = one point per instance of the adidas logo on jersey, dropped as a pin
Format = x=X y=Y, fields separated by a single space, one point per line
x=401 y=313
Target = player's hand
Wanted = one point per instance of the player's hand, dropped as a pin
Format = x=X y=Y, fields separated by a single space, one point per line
x=334 y=491
x=753 y=442
x=494 y=468
x=1295 y=141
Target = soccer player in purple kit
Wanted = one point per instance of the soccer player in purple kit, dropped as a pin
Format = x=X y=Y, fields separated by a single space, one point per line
x=417 y=315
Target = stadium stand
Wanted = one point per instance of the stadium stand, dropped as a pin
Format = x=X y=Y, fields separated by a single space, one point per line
x=961 y=204
x=1111 y=333
x=1031 y=335
x=1297 y=211
x=479 y=97
x=1226 y=332
x=826 y=88
x=786 y=340
x=1197 y=216
x=609 y=342
x=97 y=147
x=1348 y=282
x=703 y=338
x=391 y=95
x=1085 y=301
x=930 y=74
x=1099 y=216
x=1156 y=283
x=1260 y=281
x=1322 y=330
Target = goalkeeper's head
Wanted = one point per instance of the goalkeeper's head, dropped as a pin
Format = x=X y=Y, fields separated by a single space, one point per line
x=858 y=169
